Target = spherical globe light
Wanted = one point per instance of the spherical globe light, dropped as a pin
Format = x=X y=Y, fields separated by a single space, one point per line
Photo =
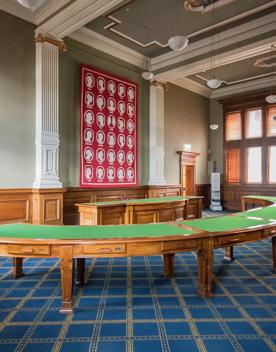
x=147 y=75
x=271 y=99
x=178 y=42
x=214 y=83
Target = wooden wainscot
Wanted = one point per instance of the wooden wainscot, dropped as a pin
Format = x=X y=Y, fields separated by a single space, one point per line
x=48 y=206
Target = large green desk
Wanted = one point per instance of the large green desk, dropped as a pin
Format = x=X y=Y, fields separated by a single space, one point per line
x=140 y=211
x=256 y=200
x=69 y=242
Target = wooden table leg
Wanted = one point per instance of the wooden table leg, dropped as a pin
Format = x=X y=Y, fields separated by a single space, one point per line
x=243 y=204
x=273 y=240
x=229 y=253
x=168 y=265
x=205 y=267
x=67 y=273
x=80 y=280
x=17 y=268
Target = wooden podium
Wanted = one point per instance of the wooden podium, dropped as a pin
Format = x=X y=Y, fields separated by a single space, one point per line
x=187 y=163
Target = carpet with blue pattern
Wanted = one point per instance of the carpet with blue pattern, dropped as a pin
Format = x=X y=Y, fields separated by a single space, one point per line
x=127 y=305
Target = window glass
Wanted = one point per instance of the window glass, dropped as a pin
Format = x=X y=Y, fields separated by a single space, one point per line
x=233 y=165
x=233 y=126
x=254 y=165
x=271 y=121
x=272 y=164
x=253 y=124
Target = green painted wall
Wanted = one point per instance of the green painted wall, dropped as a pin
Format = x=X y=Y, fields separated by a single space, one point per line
x=70 y=107
x=17 y=102
x=186 y=121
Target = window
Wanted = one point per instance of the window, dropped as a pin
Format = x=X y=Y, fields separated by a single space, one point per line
x=254 y=165
x=250 y=143
x=253 y=123
x=233 y=126
x=233 y=165
x=272 y=164
x=271 y=121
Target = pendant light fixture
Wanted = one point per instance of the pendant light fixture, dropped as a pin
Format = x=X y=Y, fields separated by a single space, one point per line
x=271 y=98
x=147 y=74
x=178 y=42
x=31 y=4
x=214 y=82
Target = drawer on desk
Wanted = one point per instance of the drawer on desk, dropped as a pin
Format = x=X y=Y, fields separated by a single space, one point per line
x=269 y=233
x=179 y=245
x=111 y=248
x=29 y=249
x=231 y=240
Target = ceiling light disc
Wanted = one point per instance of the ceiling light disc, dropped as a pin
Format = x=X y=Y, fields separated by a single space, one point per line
x=147 y=75
x=271 y=99
x=178 y=42
x=214 y=126
x=214 y=83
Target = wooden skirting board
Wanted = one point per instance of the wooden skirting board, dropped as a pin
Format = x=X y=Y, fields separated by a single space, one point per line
x=57 y=206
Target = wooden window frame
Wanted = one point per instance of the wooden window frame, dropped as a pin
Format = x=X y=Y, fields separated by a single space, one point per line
x=235 y=105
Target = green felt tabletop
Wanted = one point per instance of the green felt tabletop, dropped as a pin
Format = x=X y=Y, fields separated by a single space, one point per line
x=224 y=223
x=268 y=213
x=144 y=200
x=89 y=232
x=269 y=198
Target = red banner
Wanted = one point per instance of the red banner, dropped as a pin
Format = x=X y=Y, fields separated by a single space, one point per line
x=108 y=141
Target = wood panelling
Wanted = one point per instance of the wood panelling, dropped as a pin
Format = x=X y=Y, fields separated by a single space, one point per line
x=163 y=191
x=48 y=206
x=232 y=194
x=204 y=190
x=77 y=195
x=57 y=206
x=15 y=205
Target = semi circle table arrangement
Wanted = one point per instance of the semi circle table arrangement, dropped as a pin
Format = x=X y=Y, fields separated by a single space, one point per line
x=79 y=242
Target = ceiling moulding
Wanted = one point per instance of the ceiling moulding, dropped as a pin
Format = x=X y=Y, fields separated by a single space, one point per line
x=241 y=53
x=193 y=86
x=243 y=87
x=15 y=9
x=76 y=15
x=205 y=6
x=48 y=9
x=241 y=33
x=114 y=22
x=99 y=42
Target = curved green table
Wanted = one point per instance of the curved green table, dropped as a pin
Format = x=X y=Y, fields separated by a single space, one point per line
x=79 y=242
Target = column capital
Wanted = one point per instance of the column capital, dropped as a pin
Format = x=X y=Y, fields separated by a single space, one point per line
x=41 y=37
x=161 y=84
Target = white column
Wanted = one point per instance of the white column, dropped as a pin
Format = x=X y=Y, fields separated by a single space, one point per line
x=47 y=113
x=157 y=152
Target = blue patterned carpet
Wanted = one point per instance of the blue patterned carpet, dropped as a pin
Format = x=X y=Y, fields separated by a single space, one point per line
x=128 y=306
